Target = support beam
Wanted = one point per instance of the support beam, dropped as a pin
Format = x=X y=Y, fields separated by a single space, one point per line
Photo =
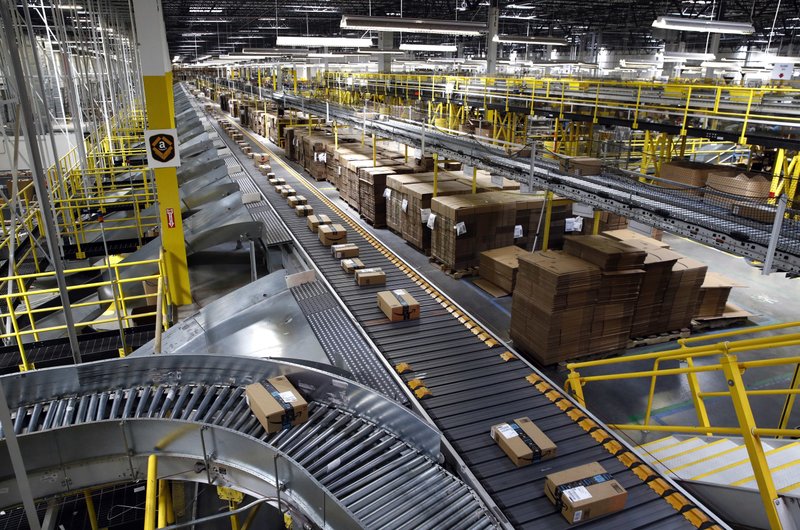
x=159 y=105
x=385 y=42
x=491 y=46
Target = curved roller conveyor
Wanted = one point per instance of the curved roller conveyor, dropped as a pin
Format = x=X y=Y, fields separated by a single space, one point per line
x=360 y=460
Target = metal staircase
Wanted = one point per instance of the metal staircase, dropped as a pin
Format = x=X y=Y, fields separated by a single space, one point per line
x=719 y=470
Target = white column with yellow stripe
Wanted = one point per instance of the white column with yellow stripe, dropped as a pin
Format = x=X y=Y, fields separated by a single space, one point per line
x=159 y=106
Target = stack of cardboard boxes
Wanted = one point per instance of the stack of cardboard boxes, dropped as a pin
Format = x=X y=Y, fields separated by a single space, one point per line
x=553 y=305
x=499 y=267
x=681 y=297
x=418 y=198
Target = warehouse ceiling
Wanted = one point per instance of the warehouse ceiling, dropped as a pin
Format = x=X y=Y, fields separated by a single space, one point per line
x=199 y=27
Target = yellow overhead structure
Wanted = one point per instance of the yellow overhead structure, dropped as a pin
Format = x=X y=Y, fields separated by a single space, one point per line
x=157 y=77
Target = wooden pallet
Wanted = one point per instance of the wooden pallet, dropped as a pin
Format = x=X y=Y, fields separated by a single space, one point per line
x=456 y=274
x=661 y=338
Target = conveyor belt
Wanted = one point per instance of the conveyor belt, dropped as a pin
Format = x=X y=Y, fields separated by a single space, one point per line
x=96 y=248
x=382 y=480
x=473 y=388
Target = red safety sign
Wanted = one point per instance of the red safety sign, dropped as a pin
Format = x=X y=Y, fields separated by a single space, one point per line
x=170 y=217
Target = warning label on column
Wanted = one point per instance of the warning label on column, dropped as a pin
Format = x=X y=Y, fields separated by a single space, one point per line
x=170 y=214
x=162 y=148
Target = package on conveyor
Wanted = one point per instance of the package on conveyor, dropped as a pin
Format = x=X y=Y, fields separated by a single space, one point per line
x=350 y=265
x=276 y=403
x=314 y=221
x=523 y=442
x=726 y=188
x=304 y=210
x=553 y=306
x=261 y=158
x=764 y=213
x=370 y=276
x=395 y=197
x=331 y=234
x=585 y=492
x=714 y=295
x=296 y=200
x=579 y=166
x=264 y=169
x=688 y=173
x=287 y=191
x=499 y=266
x=345 y=250
x=398 y=305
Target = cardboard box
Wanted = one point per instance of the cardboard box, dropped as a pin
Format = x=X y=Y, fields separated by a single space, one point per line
x=350 y=265
x=261 y=158
x=371 y=276
x=279 y=188
x=264 y=169
x=585 y=492
x=314 y=221
x=523 y=442
x=287 y=191
x=331 y=234
x=500 y=265
x=276 y=404
x=304 y=210
x=398 y=305
x=296 y=200
x=345 y=250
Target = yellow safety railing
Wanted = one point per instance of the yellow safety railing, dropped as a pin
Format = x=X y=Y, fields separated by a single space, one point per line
x=707 y=356
x=23 y=320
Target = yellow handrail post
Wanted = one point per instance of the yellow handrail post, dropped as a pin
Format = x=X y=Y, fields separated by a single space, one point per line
x=435 y=173
x=575 y=387
x=758 y=460
x=697 y=398
x=90 y=511
x=162 y=503
x=596 y=222
x=151 y=493
x=789 y=403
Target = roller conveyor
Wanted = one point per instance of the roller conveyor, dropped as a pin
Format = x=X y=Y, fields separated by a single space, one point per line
x=359 y=448
x=472 y=387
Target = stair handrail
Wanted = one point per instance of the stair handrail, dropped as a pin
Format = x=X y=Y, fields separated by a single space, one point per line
x=732 y=369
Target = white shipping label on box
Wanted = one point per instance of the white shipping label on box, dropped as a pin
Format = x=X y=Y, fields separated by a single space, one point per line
x=517 y=231
x=387 y=193
x=404 y=205
x=399 y=292
x=577 y=494
x=431 y=221
x=288 y=397
x=507 y=431
x=424 y=213
x=574 y=224
x=460 y=228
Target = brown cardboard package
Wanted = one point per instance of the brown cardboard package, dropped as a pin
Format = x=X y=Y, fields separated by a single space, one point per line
x=688 y=173
x=331 y=234
x=314 y=221
x=371 y=276
x=398 y=305
x=764 y=213
x=296 y=200
x=345 y=250
x=581 y=165
x=304 y=210
x=743 y=184
x=585 y=492
x=500 y=265
x=276 y=404
x=350 y=265
x=287 y=191
x=520 y=439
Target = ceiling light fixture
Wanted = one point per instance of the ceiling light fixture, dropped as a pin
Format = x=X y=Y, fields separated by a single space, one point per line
x=703 y=25
x=381 y=52
x=429 y=47
x=329 y=42
x=521 y=39
x=413 y=25
x=677 y=57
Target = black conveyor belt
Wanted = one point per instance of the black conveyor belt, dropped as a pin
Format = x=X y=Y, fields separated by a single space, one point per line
x=472 y=387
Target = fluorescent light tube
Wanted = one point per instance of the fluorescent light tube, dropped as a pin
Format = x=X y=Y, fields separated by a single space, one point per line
x=703 y=26
x=521 y=39
x=330 y=42
x=429 y=47
x=413 y=25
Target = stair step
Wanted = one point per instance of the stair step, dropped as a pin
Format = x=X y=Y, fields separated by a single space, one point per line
x=674 y=449
x=657 y=444
x=783 y=476
x=734 y=471
x=701 y=467
x=697 y=454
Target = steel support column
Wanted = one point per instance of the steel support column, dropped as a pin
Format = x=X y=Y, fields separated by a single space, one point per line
x=491 y=46
x=157 y=77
